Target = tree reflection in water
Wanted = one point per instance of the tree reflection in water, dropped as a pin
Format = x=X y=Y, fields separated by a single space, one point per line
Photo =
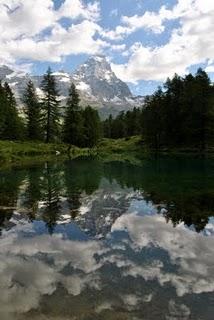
x=183 y=187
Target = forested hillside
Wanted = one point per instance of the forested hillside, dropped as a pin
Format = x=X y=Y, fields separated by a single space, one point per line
x=181 y=114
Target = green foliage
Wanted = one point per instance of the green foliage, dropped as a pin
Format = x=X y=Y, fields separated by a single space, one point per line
x=81 y=127
x=124 y=125
x=3 y=111
x=14 y=151
x=50 y=108
x=92 y=127
x=124 y=149
x=182 y=115
x=73 y=123
x=11 y=125
x=33 y=112
x=179 y=116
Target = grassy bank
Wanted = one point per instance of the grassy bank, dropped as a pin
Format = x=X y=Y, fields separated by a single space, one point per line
x=108 y=149
x=126 y=149
x=12 y=152
x=132 y=144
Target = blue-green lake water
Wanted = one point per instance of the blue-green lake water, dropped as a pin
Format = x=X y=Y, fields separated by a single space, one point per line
x=89 y=240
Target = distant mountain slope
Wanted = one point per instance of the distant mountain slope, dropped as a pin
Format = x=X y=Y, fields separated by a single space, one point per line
x=95 y=80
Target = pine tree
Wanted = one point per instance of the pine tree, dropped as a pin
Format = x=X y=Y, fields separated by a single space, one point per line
x=107 y=127
x=3 y=111
x=33 y=113
x=92 y=127
x=13 y=125
x=73 y=130
x=182 y=115
x=202 y=106
x=153 y=119
x=50 y=107
x=119 y=129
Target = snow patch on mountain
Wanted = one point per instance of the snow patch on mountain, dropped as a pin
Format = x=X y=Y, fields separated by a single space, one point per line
x=95 y=80
x=82 y=86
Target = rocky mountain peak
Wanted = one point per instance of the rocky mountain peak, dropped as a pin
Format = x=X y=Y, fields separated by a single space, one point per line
x=96 y=72
x=97 y=84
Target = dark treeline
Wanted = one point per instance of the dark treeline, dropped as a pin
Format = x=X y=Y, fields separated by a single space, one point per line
x=181 y=114
x=44 y=119
x=126 y=124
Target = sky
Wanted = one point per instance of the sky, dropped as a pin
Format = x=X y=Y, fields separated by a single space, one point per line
x=145 y=41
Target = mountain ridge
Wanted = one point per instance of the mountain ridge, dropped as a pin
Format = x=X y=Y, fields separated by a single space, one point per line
x=96 y=82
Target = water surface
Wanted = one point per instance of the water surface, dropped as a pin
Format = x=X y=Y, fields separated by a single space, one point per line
x=89 y=240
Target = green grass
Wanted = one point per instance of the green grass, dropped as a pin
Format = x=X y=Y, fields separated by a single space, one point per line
x=132 y=144
x=11 y=151
x=126 y=149
x=14 y=152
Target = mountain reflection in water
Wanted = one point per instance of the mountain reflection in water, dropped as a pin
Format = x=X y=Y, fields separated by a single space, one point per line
x=87 y=240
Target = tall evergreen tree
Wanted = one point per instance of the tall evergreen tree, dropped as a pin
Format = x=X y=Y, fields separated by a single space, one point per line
x=13 y=125
x=3 y=111
x=50 y=107
x=33 y=113
x=107 y=127
x=73 y=130
x=152 y=120
x=133 y=122
x=202 y=106
x=126 y=124
x=182 y=115
x=119 y=128
x=92 y=127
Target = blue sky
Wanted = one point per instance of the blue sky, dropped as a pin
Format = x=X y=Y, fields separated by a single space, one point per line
x=145 y=41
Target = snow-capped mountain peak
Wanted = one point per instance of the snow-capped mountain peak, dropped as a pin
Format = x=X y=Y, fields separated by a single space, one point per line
x=97 y=84
x=96 y=72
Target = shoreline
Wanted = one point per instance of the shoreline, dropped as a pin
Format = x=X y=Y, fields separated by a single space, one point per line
x=126 y=149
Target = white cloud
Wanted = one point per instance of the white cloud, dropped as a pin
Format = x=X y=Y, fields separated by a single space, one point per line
x=118 y=47
x=31 y=30
x=39 y=264
x=26 y=277
x=190 y=44
x=19 y=18
x=150 y=21
x=76 y=8
x=191 y=253
x=210 y=66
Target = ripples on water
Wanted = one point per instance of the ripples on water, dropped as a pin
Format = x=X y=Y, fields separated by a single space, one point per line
x=87 y=240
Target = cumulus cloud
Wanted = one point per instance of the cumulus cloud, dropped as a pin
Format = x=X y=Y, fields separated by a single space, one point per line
x=150 y=21
x=187 y=251
x=32 y=30
x=34 y=267
x=77 y=39
x=20 y=18
x=26 y=275
x=188 y=45
x=76 y=8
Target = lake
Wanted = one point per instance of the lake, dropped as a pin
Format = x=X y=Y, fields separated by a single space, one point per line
x=88 y=240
